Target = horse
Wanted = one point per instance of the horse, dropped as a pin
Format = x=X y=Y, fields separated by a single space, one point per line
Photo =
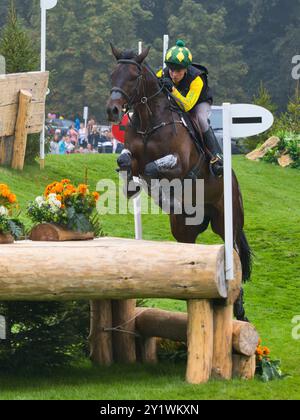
x=159 y=146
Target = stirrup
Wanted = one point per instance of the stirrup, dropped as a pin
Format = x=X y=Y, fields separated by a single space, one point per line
x=217 y=159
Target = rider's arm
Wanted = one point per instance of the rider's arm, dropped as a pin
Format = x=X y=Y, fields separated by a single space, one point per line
x=189 y=101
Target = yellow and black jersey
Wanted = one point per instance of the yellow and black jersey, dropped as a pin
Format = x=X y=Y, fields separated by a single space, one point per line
x=192 y=90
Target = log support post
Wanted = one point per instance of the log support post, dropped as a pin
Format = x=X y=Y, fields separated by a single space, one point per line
x=20 y=142
x=200 y=341
x=100 y=338
x=222 y=353
x=124 y=331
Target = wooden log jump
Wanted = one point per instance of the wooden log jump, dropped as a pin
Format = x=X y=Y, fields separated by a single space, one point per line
x=113 y=272
x=111 y=268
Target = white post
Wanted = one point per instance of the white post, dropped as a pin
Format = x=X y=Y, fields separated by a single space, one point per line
x=228 y=190
x=166 y=47
x=137 y=202
x=45 y=5
x=43 y=68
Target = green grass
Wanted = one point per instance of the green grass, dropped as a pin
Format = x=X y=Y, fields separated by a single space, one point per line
x=272 y=203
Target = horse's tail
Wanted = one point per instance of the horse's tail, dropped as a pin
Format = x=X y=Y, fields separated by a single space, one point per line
x=246 y=255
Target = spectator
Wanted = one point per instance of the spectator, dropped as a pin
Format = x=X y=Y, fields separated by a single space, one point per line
x=77 y=124
x=73 y=135
x=62 y=146
x=70 y=147
x=54 y=145
x=94 y=138
x=90 y=125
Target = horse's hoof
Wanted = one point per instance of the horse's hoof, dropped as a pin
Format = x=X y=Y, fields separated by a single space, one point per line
x=124 y=161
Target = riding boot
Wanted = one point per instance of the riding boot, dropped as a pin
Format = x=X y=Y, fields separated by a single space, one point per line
x=216 y=162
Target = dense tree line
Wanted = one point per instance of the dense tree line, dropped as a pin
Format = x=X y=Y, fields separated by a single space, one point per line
x=242 y=42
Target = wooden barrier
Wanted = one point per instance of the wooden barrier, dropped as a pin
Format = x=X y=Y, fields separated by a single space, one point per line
x=22 y=112
x=110 y=270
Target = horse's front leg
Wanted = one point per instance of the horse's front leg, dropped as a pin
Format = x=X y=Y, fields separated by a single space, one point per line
x=169 y=167
x=128 y=168
x=168 y=197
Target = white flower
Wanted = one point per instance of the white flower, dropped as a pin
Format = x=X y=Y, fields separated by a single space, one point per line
x=3 y=211
x=54 y=203
x=40 y=201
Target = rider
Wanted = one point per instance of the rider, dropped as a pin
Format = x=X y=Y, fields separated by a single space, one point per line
x=189 y=87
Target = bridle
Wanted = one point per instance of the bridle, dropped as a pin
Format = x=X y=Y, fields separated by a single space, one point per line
x=131 y=100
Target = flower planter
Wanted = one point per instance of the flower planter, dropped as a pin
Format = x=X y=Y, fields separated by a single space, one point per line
x=6 y=239
x=48 y=232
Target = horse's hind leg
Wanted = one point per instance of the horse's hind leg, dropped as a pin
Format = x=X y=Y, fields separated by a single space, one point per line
x=217 y=224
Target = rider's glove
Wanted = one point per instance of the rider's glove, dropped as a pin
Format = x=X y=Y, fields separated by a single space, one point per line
x=167 y=83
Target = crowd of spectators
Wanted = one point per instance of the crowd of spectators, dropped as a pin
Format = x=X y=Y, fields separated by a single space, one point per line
x=80 y=139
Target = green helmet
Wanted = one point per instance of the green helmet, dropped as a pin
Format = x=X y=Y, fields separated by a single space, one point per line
x=179 y=56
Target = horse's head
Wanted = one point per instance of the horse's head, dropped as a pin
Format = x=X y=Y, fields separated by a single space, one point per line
x=126 y=80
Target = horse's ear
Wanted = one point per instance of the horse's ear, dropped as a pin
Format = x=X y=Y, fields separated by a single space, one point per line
x=117 y=53
x=140 y=58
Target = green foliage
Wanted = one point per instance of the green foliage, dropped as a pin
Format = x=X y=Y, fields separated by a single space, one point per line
x=43 y=335
x=270 y=370
x=32 y=148
x=290 y=120
x=264 y=99
x=16 y=45
x=289 y=144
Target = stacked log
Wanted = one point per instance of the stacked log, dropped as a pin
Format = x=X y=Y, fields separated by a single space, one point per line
x=240 y=342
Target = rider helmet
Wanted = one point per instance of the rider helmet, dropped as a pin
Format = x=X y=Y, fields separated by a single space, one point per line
x=179 y=57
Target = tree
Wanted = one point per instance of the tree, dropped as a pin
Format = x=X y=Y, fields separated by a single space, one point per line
x=204 y=33
x=16 y=46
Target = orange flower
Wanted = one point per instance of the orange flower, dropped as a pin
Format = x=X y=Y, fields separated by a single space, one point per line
x=259 y=351
x=4 y=191
x=59 y=188
x=259 y=341
x=82 y=189
x=266 y=351
x=96 y=196
x=59 y=198
x=65 y=181
x=12 y=198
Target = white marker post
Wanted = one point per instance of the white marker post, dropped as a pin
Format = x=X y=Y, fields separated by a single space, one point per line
x=45 y=5
x=137 y=202
x=240 y=120
x=166 y=47
x=228 y=210
x=85 y=118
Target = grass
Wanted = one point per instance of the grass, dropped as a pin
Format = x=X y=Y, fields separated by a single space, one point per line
x=272 y=203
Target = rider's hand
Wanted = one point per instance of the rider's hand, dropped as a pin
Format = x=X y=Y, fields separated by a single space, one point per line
x=167 y=83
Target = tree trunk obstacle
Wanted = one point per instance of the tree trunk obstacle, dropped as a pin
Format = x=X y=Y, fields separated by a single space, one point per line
x=113 y=272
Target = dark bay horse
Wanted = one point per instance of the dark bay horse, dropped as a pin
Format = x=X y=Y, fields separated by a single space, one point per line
x=156 y=134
